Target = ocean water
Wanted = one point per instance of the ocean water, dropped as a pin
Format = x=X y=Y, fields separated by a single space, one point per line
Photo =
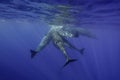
x=23 y=23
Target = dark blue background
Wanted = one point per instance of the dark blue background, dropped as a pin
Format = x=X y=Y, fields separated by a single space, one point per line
x=19 y=34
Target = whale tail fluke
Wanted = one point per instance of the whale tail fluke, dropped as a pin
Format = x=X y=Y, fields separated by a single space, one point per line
x=82 y=51
x=33 y=53
x=69 y=61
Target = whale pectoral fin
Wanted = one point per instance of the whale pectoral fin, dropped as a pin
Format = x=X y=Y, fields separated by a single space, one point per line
x=69 y=61
x=33 y=53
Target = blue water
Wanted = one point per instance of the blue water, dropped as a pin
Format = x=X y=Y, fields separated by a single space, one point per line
x=24 y=23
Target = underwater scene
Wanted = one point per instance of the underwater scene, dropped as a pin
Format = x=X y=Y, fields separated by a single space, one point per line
x=59 y=39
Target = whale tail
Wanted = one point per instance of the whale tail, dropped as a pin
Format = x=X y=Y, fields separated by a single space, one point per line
x=82 y=51
x=33 y=53
x=69 y=61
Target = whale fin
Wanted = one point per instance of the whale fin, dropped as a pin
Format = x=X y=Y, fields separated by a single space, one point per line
x=33 y=53
x=82 y=51
x=69 y=61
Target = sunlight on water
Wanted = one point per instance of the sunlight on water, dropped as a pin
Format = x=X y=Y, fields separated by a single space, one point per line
x=23 y=23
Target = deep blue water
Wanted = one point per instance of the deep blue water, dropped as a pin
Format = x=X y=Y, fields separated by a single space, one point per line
x=24 y=23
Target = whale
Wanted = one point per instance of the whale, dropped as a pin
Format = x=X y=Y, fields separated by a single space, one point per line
x=57 y=35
